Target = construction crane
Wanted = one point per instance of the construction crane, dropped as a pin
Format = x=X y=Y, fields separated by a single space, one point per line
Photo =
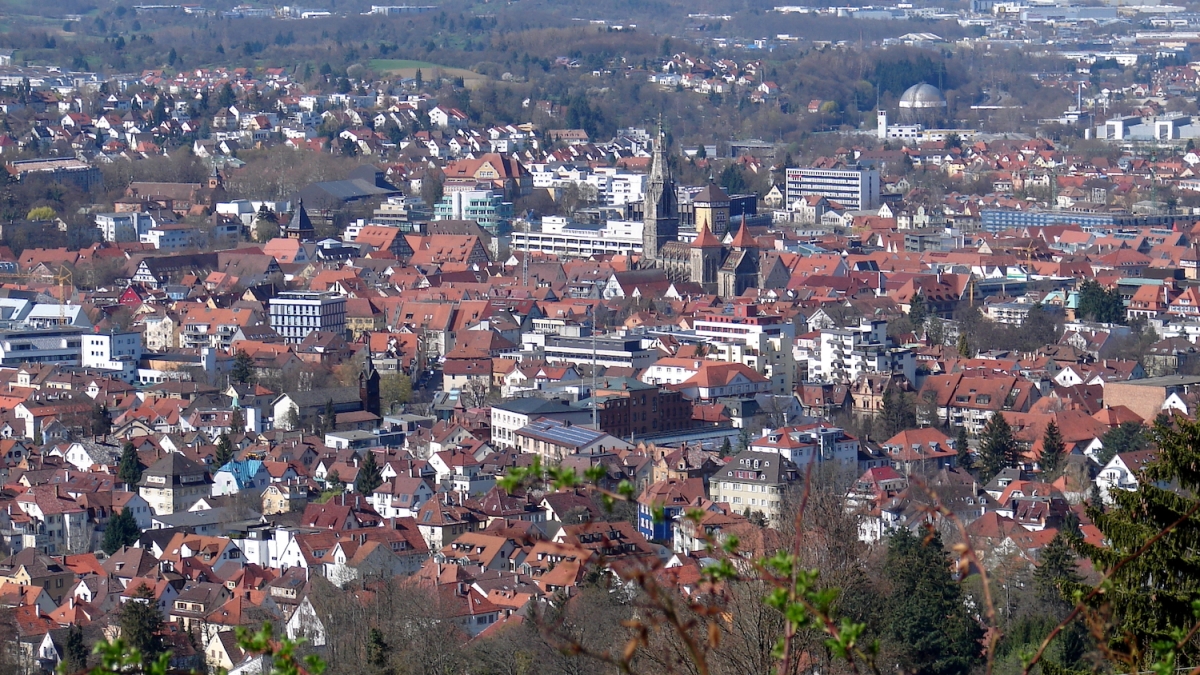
x=63 y=278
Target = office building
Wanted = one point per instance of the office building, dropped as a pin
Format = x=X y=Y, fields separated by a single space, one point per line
x=482 y=206
x=296 y=314
x=854 y=188
x=59 y=344
x=583 y=240
x=998 y=220
x=124 y=227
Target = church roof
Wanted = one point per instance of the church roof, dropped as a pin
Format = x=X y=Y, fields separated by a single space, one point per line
x=743 y=239
x=706 y=239
x=711 y=194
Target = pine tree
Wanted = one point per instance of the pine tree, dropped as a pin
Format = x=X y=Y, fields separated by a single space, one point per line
x=224 y=451
x=962 y=446
x=726 y=447
x=129 y=470
x=329 y=418
x=141 y=622
x=243 y=368
x=926 y=619
x=369 y=476
x=997 y=449
x=377 y=651
x=964 y=347
x=122 y=530
x=897 y=413
x=1053 y=448
x=916 y=311
x=1151 y=595
x=75 y=653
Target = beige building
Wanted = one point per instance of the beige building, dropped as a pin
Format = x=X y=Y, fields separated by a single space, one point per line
x=755 y=481
x=174 y=484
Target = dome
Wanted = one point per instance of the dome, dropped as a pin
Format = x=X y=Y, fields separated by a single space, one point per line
x=922 y=96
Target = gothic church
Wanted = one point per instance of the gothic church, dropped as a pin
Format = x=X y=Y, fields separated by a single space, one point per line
x=722 y=270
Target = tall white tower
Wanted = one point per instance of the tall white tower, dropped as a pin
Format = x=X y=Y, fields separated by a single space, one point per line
x=881 y=124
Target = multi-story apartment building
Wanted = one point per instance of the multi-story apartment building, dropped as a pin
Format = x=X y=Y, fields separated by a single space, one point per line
x=483 y=206
x=565 y=238
x=125 y=227
x=755 y=481
x=855 y=188
x=845 y=353
x=296 y=314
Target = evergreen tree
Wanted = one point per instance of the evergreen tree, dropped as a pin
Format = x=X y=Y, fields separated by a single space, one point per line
x=897 y=413
x=101 y=420
x=1151 y=595
x=917 y=311
x=224 y=451
x=377 y=651
x=926 y=620
x=1053 y=448
x=237 y=421
x=962 y=446
x=122 y=530
x=369 y=475
x=964 y=347
x=129 y=470
x=291 y=419
x=997 y=449
x=140 y=623
x=329 y=418
x=243 y=368
x=726 y=447
x=75 y=653
x=1128 y=437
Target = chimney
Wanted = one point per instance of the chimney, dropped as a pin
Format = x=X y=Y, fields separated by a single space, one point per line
x=37 y=609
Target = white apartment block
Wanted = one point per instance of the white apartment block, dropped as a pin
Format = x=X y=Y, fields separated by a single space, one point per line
x=565 y=238
x=854 y=188
x=845 y=353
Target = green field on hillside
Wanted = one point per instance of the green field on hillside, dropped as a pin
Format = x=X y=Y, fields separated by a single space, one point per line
x=409 y=68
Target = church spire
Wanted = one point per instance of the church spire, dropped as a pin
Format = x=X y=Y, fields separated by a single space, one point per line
x=660 y=207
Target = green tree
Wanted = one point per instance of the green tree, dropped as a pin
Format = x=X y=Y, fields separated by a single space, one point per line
x=243 y=368
x=1127 y=437
x=964 y=347
x=1100 y=304
x=328 y=418
x=129 y=470
x=41 y=213
x=962 y=446
x=726 y=447
x=265 y=230
x=395 y=389
x=1151 y=595
x=420 y=81
x=291 y=419
x=898 y=413
x=101 y=420
x=122 y=530
x=141 y=623
x=237 y=421
x=75 y=653
x=927 y=622
x=378 y=651
x=1053 y=448
x=917 y=311
x=369 y=475
x=224 y=451
x=226 y=97
x=997 y=448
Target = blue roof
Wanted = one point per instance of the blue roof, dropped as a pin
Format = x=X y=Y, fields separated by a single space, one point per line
x=243 y=470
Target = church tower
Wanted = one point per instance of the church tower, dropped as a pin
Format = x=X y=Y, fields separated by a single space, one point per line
x=368 y=386
x=705 y=254
x=660 y=208
x=740 y=269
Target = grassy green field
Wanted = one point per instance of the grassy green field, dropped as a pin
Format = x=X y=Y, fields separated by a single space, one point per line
x=408 y=68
